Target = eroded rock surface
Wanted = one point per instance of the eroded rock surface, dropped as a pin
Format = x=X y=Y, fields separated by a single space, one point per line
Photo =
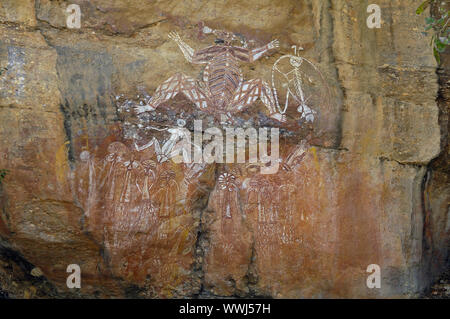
x=369 y=187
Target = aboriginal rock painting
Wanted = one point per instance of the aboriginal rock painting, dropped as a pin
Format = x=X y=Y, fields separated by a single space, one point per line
x=262 y=219
x=223 y=88
x=137 y=204
x=142 y=206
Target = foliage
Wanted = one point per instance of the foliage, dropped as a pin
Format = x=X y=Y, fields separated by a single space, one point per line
x=438 y=25
x=3 y=173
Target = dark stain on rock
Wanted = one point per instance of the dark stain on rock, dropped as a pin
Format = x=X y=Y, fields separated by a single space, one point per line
x=68 y=128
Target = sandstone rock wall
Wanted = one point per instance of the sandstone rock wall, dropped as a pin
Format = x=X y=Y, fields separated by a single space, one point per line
x=372 y=190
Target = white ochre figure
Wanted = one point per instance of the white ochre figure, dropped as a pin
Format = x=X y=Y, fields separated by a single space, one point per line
x=296 y=81
x=223 y=89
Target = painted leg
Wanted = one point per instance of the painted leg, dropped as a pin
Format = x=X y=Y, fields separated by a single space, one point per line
x=249 y=91
x=170 y=88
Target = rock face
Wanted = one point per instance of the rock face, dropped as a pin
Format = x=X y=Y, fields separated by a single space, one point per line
x=370 y=186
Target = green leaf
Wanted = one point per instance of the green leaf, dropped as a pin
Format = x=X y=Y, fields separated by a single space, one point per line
x=423 y=6
x=3 y=173
x=440 y=46
x=437 y=56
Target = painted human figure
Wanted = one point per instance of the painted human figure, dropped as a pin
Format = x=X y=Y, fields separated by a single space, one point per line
x=166 y=200
x=223 y=89
x=178 y=142
x=228 y=194
x=167 y=192
x=113 y=165
x=87 y=181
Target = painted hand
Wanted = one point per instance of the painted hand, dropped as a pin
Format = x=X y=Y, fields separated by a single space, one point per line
x=279 y=117
x=274 y=44
x=143 y=108
x=173 y=35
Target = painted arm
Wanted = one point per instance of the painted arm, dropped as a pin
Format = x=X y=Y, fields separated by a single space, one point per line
x=257 y=53
x=188 y=52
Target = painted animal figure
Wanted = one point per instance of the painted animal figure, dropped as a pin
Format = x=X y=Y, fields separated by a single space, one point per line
x=223 y=89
